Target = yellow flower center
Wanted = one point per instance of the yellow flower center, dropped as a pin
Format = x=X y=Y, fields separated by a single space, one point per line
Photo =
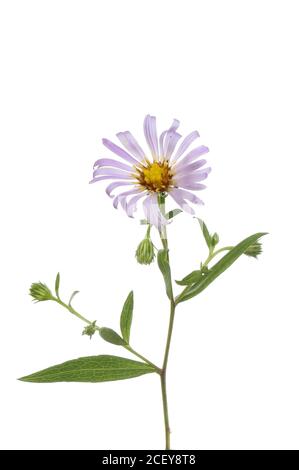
x=155 y=176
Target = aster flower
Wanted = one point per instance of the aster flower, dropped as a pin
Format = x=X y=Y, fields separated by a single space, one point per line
x=169 y=169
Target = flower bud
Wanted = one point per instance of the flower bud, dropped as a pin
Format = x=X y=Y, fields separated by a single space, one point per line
x=215 y=239
x=40 y=292
x=90 y=330
x=145 y=252
x=254 y=250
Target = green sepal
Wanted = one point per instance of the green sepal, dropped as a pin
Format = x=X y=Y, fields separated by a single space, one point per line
x=126 y=317
x=163 y=264
x=111 y=336
x=218 y=268
x=91 y=369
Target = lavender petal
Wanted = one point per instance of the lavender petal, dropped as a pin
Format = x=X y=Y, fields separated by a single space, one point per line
x=113 y=163
x=119 y=151
x=104 y=171
x=131 y=144
x=185 y=144
x=193 y=155
x=150 y=132
x=115 y=185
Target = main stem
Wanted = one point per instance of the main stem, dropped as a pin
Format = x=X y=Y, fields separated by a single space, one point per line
x=163 y=377
x=163 y=235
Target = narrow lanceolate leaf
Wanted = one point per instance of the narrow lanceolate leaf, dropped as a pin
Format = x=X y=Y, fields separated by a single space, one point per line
x=163 y=264
x=194 y=276
x=111 y=336
x=57 y=284
x=218 y=268
x=72 y=296
x=91 y=369
x=172 y=214
x=205 y=232
x=126 y=317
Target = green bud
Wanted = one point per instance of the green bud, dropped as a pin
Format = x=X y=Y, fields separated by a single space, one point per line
x=90 y=330
x=40 y=292
x=254 y=250
x=145 y=253
x=215 y=239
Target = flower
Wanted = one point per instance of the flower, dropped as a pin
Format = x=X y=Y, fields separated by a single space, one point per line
x=170 y=170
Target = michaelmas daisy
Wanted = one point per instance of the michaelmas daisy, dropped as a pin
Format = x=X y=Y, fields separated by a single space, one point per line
x=169 y=167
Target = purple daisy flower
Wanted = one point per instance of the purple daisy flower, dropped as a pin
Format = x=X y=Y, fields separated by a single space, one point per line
x=172 y=169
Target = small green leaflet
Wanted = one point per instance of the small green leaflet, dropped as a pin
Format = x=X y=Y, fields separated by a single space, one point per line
x=205 y=232
x=218 y=268
x=163 y=264
x=57 y=284
x=72 y=296
x=126 y=317
x=111 y=336
x=194 y=276
x=91 y=369
x=172 y=214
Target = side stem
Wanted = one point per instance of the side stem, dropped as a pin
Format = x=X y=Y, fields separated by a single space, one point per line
x=97 y=328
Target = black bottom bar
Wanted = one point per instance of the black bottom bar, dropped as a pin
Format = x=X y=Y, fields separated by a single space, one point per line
x=140 y=458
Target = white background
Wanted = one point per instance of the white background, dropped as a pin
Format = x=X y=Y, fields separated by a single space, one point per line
x=73 y=72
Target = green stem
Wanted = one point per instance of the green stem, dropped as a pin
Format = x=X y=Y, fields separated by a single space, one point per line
x=128 y=347
x=163 y=376
x=74 y=312
x=212 y=254
x=158 y=370
x=163 y=235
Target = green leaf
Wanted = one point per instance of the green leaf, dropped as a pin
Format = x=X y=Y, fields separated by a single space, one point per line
x=111 y=336
x=57 y=284
x=126 y=317
x=91 y=369
x=205 y=232
x=218 y=268
x=172 y=214
x=194 y=276
x=72 y=296
x=163 y=264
